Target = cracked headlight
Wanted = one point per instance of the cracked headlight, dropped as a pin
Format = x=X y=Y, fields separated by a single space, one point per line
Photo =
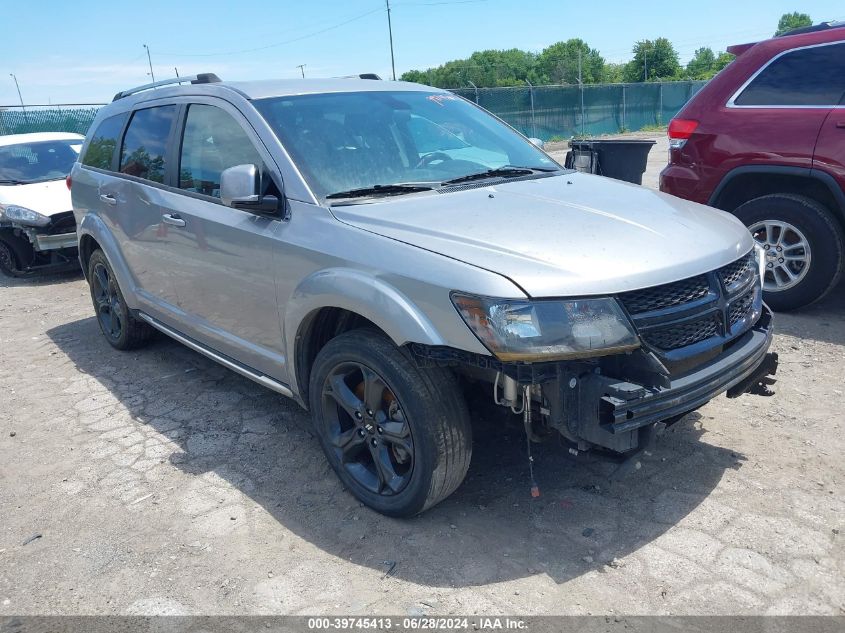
x=22 y=215
x=522 y=330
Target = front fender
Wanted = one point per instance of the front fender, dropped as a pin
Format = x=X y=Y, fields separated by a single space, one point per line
x=372 y=297
x=367 y=295
x=94 y=227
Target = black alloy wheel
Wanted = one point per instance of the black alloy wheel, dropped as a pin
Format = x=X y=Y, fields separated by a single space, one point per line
x=367 y=429
x=107 y=301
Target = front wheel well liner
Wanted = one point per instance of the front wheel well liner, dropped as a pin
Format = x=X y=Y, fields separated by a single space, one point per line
x=317 y=329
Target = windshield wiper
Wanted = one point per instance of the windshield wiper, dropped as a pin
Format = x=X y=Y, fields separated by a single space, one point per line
x=508 y=171
x=12 y=181
x=380 y=190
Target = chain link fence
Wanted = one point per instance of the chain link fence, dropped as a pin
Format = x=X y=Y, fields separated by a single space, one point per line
x=546 y=112
x=560 y=112
x=47 y=118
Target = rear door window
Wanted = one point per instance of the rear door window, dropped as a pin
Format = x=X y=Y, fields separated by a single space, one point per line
x=212 y=142
x=100 y=151
x=145 y=143
x=804 y=77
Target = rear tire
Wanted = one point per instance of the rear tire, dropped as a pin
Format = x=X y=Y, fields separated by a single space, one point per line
x=397 y=435
x=796 y=275
x=122 y=330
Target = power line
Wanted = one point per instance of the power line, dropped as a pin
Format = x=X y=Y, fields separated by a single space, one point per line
x=282 y=43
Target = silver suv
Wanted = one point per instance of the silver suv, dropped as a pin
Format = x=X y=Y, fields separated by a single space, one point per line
x=372 y=248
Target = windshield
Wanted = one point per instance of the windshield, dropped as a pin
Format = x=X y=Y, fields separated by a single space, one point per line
x=26 y=163
x=353 y=141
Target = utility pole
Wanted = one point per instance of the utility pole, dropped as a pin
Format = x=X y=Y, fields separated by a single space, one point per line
x=645 y=63
x=390 y=30
x=176 y=70
x=150 y=61
x=23 y=109
x=302 y=69
x=581 y=90
x=12 y=75
x=579 y=67
x=474 y=87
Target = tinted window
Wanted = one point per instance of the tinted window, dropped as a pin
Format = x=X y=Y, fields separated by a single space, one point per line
x=213 y=141
x=144 y=145
x=810 y=76
x=37 y=162
x=101 y=148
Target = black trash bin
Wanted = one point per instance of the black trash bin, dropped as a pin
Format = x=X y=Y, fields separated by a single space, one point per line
x=623 y=159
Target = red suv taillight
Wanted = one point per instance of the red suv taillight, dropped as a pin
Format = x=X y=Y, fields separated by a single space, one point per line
x=679 y=131
x=68 y=181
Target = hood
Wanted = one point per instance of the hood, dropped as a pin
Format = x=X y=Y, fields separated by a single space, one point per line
x=569 y=235
x=45 y=197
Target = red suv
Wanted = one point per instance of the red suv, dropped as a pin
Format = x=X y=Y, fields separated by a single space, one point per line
x=765 y=140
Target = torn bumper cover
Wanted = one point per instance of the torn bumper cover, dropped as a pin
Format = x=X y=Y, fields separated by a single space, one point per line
x=41 y=249
x=609 y=412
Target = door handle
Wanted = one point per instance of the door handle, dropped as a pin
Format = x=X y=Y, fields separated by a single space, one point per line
x=108 y=199
x=172 y=219
x=840 y=124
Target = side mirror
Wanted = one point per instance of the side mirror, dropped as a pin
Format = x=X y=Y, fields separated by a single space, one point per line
x=538 y=142
x=240 y=188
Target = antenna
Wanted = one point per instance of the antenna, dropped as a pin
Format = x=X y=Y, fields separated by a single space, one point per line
x=150 y=61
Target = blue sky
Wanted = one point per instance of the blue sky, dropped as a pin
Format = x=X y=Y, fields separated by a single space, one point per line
x=86 y=50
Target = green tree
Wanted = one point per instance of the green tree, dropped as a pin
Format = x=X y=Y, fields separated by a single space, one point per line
x=702 y=63
x=722 y=60
x=558 y=63
x=794 y=20
x=613 y=73
x=658 y=57
x=490 y=68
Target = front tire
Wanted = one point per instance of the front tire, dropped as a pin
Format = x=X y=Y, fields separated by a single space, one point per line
x=122 y=330
x=16 y=254
x=397 y=435
x=804 y=248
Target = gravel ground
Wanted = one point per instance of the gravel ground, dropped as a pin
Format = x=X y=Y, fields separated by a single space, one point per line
x=159 y=482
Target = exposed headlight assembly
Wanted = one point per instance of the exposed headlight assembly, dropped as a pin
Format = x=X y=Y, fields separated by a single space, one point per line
x=22 y=215
x=545 y=330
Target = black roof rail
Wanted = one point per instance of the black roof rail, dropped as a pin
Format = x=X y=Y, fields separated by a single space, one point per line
x=201 y=78
x=369 y=76
x=822 y=26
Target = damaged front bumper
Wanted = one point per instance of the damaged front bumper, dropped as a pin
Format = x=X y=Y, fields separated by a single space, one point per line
x=593 y=408
x=40 y=249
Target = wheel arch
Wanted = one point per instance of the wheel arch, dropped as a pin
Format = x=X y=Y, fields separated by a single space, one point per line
x=331 y=302
x=753 y=181
x=93 y=234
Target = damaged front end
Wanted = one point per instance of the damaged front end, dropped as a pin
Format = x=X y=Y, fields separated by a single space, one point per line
x=698 y=338
x=42 y=244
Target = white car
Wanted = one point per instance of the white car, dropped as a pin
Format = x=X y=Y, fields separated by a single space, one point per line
x=37 y=229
